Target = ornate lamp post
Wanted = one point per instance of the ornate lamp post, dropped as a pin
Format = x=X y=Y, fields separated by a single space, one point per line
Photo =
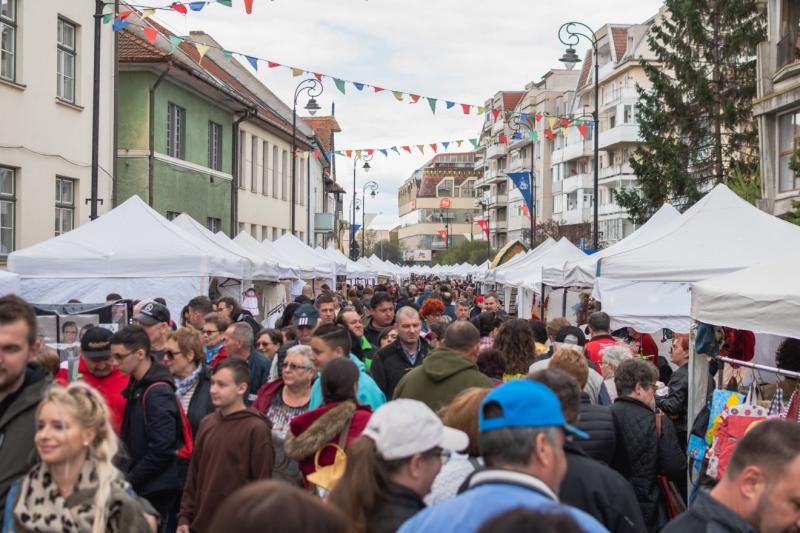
x=372 y=187
x=570 y=34
x=516 y=125
x=366 y=167
x=314 y=88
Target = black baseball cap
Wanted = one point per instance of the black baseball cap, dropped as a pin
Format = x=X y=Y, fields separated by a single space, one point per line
x=95 y=343
x=571 y=335
x=152 y=313
x=305 y=315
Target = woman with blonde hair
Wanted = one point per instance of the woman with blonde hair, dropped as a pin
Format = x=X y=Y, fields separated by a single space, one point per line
x=75 y=488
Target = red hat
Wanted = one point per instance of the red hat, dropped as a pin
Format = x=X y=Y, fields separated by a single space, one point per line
x=478 y=299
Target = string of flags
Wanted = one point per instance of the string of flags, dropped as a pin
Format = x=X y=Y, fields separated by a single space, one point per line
x=121 y=21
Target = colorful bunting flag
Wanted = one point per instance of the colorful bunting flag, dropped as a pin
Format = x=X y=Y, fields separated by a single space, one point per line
x=224 y=2
x=398 y=95
x=359 y=86
x=228 y=54
x=552 y=121
x=272 y=64
x=534 y=135
x=253 y=62
x=119 y=24
x=316 y=155
x=458 y=143
x=339 y=84
x=384 y=152
x=495 y=114
x=378 y=89
x=449 y=104
x=358 y=154
x=197 y=6
x=433 y=147
x=349 y=153
x=414 y=98
x=502 y=138
x=549 y=134
x=432 y=103
x=180 y=8
x=318 y=76
x=108 y=17
x=564 y=131
x=370 y=151
x=481 y=110
x=538 y=117
x=474 y=142
x=421 y=148
x=582 y=130
x=248 y=6
x=175 y=41
x=201 y=49
x=394 y=149
x=124 y=14
x=523 y=117
x=517 y=135
x=445 y=144
x=466 y=108
x=407 y=149
x=564 y=122
x=297 y=72
x=329 y=154
x=151 y=34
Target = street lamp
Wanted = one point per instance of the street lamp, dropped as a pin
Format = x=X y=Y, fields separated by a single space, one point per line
x=372 y=187
x=516 y=124
x=314 y=88
x=569 y=34
x=446 y=221
x=366 y=167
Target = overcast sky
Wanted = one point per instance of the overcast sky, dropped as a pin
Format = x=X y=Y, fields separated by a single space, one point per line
x=462 y=51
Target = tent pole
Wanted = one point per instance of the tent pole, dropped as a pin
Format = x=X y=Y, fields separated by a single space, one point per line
x=564 y=304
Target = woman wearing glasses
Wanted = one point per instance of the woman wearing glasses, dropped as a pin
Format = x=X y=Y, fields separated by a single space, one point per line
x=268 y=342
x=283 y=399
x=185 y=359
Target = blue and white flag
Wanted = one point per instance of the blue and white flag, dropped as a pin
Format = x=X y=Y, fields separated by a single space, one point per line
x=522 y=180
x=353 y=230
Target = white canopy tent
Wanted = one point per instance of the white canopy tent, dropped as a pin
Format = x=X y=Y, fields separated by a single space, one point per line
x=528 y=272
x=647 y=286
x=581 y=273
x=9 y=283
x=259 y=267
x=291 y=246
x=354 y=270
x=131 y=250
x=501 y=273
x=246 y=241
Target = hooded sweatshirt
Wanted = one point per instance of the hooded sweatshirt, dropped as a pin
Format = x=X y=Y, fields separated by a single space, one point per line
x=110 y=388
x=229 y=452
x=443 y=375
x=368 y=391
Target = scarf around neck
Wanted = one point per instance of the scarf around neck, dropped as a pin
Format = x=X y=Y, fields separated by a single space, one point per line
x=182 y=386
x=41 y=507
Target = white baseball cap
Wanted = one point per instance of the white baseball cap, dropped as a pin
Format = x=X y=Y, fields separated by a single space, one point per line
x=402 y=428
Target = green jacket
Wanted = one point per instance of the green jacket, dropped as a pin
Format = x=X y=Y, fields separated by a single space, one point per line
x=444 y=373
x=17 y=427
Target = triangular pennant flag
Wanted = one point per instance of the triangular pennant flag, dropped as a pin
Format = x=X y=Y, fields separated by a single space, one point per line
x=445 y=144
x=516 y=135
x=349 y=153
x=552 y=121
x=305 y=155
x=523 y=117
x=537 y=117
x=180 y=8
x=384 y=152
x=394 y=149
x=370 y=151
x=582 y=130
x=421 y=148
x=318 y=76
x=297 y=72
x=339 y=84
x=458 y=143
x=432 y=103
x=201 y=49
x=495 y=114
x=248 y=6
x=433 y=147
x=534 y=135
x=398 y=95
x=508 y=115
x=124 y=14
x=474 y=142
x=197 y=6
x=564 y=122
x=449 y=104
x=564 y=131
x=481 y=110
x=359 y=86
x=151 y=34
x=148 y=12
x=119 y=24
x=328 y=154
x=502 y=138
x=228 y=54
x=253 y=62
x=465 y=108
x=358 y=154
x=414 y=98
x=549 y=134
x=407 y=149
x=108 y=17
x=377 y=89
x=224 y=2
x=316 y=155
x=272 y=64
x=175 y=41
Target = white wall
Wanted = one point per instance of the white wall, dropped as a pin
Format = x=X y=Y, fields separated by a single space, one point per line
x=42 y=137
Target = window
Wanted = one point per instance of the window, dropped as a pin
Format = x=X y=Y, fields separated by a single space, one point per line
x=274 y=234
x=66 y=61
x=65 y=205
x=284 y=173
x=283 y=232
x=264 y=233
x=8 y=41
x=629 y=116
x=213 y=224
x=612 y=121
x=275 y=186
x=468 y=189
x=172 y=215
x=8 y=201
x=445 y=187
x=240 y=166
x=214 y=145
x=254 y=163
x=789 y=132
x=242 y=227
x=254 y=231
x=264 y=168
x=176 y=126
x=301 y=236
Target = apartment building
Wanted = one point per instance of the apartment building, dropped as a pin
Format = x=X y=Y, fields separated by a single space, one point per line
x=777 y=106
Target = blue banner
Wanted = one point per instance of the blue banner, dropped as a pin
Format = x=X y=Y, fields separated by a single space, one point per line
x=353 y=230
x=522 y=180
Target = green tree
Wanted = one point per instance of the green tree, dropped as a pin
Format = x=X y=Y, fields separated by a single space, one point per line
x=747 y=186
x=388 y=251
x=473 y=252
x=696 y=120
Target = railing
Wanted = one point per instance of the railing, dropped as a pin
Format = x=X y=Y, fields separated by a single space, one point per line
x=788 y=50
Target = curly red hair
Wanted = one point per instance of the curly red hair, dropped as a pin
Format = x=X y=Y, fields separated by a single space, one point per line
x=431 y=306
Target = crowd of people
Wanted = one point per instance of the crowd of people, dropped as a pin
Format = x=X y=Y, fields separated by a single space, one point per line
x=413 y=407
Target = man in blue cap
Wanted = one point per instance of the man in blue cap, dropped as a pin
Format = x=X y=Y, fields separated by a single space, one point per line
x=522 y=433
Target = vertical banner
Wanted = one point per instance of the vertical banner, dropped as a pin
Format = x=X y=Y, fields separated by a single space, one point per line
x=522 y=180
x=484 y=224
x=353 y=230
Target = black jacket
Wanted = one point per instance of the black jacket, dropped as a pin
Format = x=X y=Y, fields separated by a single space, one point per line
x=675 y=404
x=706 y=515
x=199 y=406
x=372 y=333
x=600 y=491
x=598 y=422
x=248 y=318
x=151 y=439
x=640 y=456
x=259 y=373
x=390 y=364
x=395 y=505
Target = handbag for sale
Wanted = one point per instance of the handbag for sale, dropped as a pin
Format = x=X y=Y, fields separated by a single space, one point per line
x=673 y=501
x=325 y=477
x=720 y=400
x=736 y=422
x=793 y=411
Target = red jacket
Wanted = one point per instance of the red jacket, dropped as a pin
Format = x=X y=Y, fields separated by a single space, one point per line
x=596 y=345
x=110 y=388
x=265 y=395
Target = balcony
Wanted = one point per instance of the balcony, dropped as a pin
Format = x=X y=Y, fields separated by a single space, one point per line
x=579 y=181
x=620 y=134
x=498 y=199
x=578 y=150
x=557 y=187
x=611 y=209
x=788 y=50
x=614 y=171
x=496 y=150
x=577 y=216
x=498 y=225
x=479 y=164
x=495 y=176
x=626 y=93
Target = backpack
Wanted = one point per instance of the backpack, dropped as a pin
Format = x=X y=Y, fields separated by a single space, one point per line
x=185 y=443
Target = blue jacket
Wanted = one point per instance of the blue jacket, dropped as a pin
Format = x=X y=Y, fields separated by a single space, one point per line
x=490 y=493
x=368 y=392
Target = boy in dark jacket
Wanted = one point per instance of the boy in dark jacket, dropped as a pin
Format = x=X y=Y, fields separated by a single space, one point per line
x=151 y=425
x=233 y=448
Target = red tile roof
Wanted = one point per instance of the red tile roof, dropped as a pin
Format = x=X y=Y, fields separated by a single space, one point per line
x=511 y=99
x=587 y=65
x=133 y=49
x=324 y=127
x=620 y=35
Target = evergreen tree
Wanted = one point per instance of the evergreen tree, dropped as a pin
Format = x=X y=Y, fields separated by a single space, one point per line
x=696 y=119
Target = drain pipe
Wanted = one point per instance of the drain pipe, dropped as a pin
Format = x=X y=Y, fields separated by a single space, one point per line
x=151 y=137
x=248 y=113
